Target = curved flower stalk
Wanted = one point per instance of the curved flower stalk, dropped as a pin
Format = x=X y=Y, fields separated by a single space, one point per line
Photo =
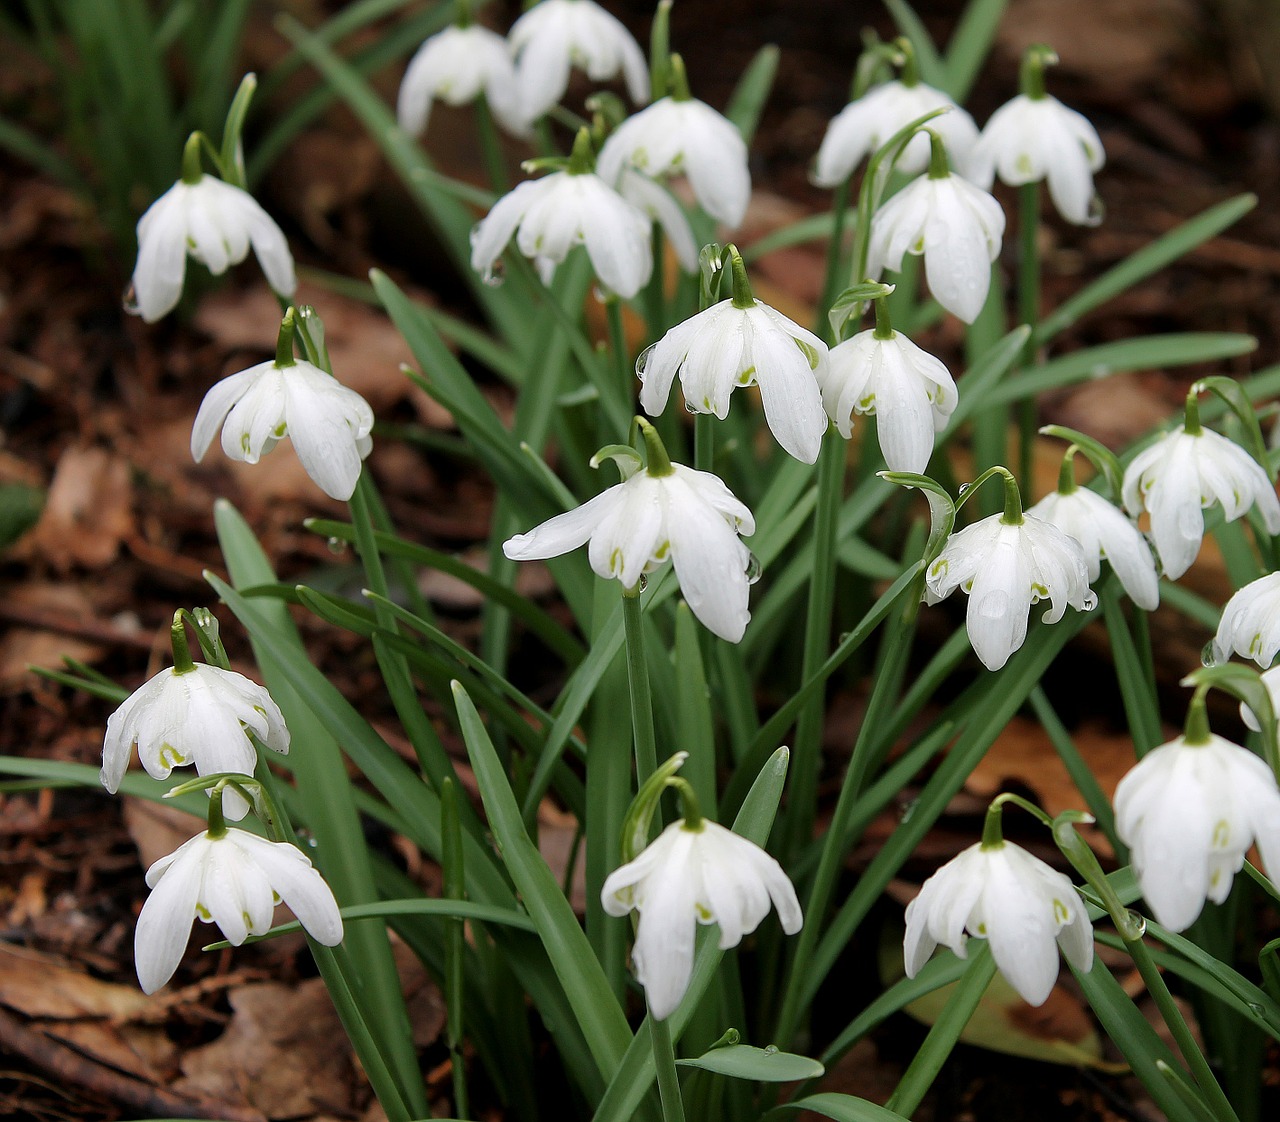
x=682 y=135
x=1025 y=909
x=234 y=879
x=456 y=66
x=864 y=125
x=667 y=512
x=555 y=35
x=1006 y=563
x=956 y=226
x=329 y=424
x=193 y=714
x=740 y=342
x=215 y=222
x=549 y=216
x=1189 y=811
x=694 y=872
x=1250 y=624
x=1034 y=137
x=881 y=372
x=1102 y=531
x=1182 y=473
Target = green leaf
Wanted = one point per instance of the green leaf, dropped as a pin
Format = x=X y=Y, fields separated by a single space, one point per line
x=1140 y=265
x=843 y=1108
x=766 y=1065
x=1097 y=453
x=20 y=508
x=748 y=98
x=970 y=46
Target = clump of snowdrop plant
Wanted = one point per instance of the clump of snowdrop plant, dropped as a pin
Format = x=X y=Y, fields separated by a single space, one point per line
x=561 y=695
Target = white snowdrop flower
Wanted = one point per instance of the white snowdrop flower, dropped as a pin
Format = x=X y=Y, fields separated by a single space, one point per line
x=667 y=512
x=1250 y=624
x=1021 y=906
x=740 y=342
x=555 y=35
x=214 y=222
x=328 y=423
x=1189 y=811
x=234 y=879
x=682 y=135
x=457 y=65
x=549 y=216
x=661 y=206
x=910 y=392
x=865 y=125
x=956 y=226
x=200 y=716
x=1104 y=531
x=686 y=876
x=1185 y=471
x=1006 y=563
x=1271 y=682
x=1030 y=139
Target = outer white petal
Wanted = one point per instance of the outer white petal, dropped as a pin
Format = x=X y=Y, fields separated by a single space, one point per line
x=788 y=383
x=847 y=140
x=712 y=490
x=658 y=365
x=660 y=205
x=999 y=600
x=162 y=254
x=1250 y=624
x=490 y=237
x=298 y=884
x=164 y=924
x=565 y=531
x=1177 y=524
x=663 y=952
x=709 y=560
x=217 y=403
x=1019 y=921
x=633 y=534
x=325 y=420
x=617 y=239
x=716 y=162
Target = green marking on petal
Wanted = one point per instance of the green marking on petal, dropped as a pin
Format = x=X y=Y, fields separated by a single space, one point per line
x=204 y=912
x=1061 y=913
x=1221 y=834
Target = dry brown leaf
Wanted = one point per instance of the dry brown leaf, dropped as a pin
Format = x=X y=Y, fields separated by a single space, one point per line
x=88 y=512
x=42 y=987
x=157 y=829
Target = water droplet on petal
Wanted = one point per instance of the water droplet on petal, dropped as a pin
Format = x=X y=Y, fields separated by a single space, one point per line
x=643 y=582
x=643 y=360
x=688 y=407
x=753 y=568
x=129 y=301
x=965 y=487
x=771 y=1050
x=1208 y=657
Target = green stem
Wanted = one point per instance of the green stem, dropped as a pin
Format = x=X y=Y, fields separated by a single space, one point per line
x=623 y=370
x=655 y=292
x=835 y=259
x=704 y=441
x=638 y=677
x=664 y=1061
x=1028 y=313
x=491 y=145
x=806 y=760
x=182 y=661
x=453 y=888
x=1191 y=418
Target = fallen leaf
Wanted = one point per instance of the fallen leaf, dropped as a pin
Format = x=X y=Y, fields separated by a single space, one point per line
x=88 y=512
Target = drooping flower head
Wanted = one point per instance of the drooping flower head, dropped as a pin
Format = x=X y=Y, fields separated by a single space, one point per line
x=329 y=423
x=1250 y=624
x=1035 y=137
x=215 y=222
x=456 y=66
x=1102 y=531
x=956 y=226
x=232 y=878
x=555 y=35
x=883 y=373
x=681 y=135
x=1006 y=563
x=740 y=342
x=666 y=512
x=549 y=216
x=1025 y=909
x=866 y=124
x=1185 y=471
x=694 y=872
x=1189 y=811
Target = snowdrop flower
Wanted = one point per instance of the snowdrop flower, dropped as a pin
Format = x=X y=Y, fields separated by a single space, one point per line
x=212 y=221
x=694 y=872
x=1104 y=531
x=234 y=879
x=1035 y=137
x=1000 y=892
x=1189 y=811
x=668 y=511
x=1185 y=471
x=200 y=715
x=457 y=65
x=956 y=226
x=661 y=207
x=549 y=216
x=556 y=34
x=1250 y=624
x=680 y=134
x=740 y=342
x=865 y=125
x=1007 y=563
x=884 y=373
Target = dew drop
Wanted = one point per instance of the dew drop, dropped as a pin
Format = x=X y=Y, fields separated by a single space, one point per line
x=1256 y=1008
x=753 y=568
x=643 y=360
x=688 y=408
x=771 y=1050
x=336 y=546
x=965 y=487
x=643 y=582
x=129 y=301
x=1207 y=655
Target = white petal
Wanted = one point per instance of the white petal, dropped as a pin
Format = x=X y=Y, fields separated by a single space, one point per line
x=164 y=924
x=710 y=562
x=217 y=404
